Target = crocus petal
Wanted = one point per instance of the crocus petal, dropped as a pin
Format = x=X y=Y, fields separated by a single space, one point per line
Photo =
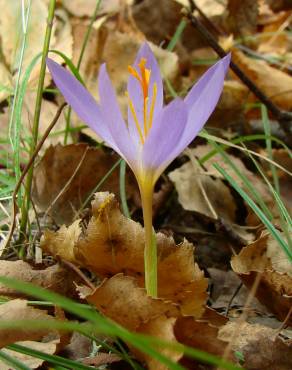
x=202 y=100
x=164 y=136
x=80 y=100
x=113 y=117
x=135 y=91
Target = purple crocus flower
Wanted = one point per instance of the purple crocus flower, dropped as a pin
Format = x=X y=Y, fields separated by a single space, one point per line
x=154 y=134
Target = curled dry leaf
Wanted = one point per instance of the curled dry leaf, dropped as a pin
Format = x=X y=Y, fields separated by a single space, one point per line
x=71 y=173
x=18 y=309
x=262 y=347
x=113 y=243
x=265 y=257
x=55 y=278
x=274 y=83
x=122 y=300
x=115 y=295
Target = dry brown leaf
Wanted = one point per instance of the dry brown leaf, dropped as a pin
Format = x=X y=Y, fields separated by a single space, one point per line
x=113 y=243
x=121 y=299
x=261 y=346
x=53 y=175
x=18 y=309
x=81 y=8
x=11 y=36
x=224 y=286
x=273 y=40
x=101 y=359
x=265 y=257
x=55 y=278
x=149 y=21
x=191 y=183
x=200 y=334
x=274 y=83
x=162 y=328
x=243 y=16
x=32 y=362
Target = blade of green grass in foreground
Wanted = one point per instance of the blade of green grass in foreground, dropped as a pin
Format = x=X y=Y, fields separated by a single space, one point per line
x=52 y=359
x=274 y=232
x=267 y=128
x=101 y=324
x=11 y=361
x=123 y=193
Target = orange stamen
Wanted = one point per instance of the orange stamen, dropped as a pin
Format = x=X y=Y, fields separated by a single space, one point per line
x=152 y=105
x=144 y=79
x=132 y=109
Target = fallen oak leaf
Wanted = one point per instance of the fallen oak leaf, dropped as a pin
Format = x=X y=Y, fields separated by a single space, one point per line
x=265 y=257
x=55 y=278
x=113 y=243
x=121 y=299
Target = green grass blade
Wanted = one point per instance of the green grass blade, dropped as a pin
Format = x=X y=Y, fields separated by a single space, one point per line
x=100 y=324
x=123 y=193
x=274 y=232
x=69 y=63
x=245 y=181
x=177 y=35
x=11 y=361
x=52 y=359
x=267 y=128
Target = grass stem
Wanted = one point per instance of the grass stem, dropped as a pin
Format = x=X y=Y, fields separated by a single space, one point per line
x=36 y=119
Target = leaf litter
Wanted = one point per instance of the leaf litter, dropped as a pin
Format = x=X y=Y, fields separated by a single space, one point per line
x=98 y=253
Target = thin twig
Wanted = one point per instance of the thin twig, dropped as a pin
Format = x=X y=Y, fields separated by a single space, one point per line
x=79 y=273
x=283 y=116
x=25 y=171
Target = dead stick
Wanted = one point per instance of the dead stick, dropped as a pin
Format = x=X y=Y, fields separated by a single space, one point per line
x=24 y=172
x=283 y=116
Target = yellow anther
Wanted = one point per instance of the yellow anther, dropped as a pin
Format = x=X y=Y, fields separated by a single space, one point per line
x=132 y=109
x=134 y=73
x=152 y=105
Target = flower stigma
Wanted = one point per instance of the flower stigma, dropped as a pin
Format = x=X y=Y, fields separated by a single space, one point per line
x=143 y=77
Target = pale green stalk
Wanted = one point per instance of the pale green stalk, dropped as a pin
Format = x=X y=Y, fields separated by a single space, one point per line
x=37 y=112
x=150 y=251
x=15 y=139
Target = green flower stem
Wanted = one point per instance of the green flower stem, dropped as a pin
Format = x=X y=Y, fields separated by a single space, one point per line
x=150 y=252
x=36 y=119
